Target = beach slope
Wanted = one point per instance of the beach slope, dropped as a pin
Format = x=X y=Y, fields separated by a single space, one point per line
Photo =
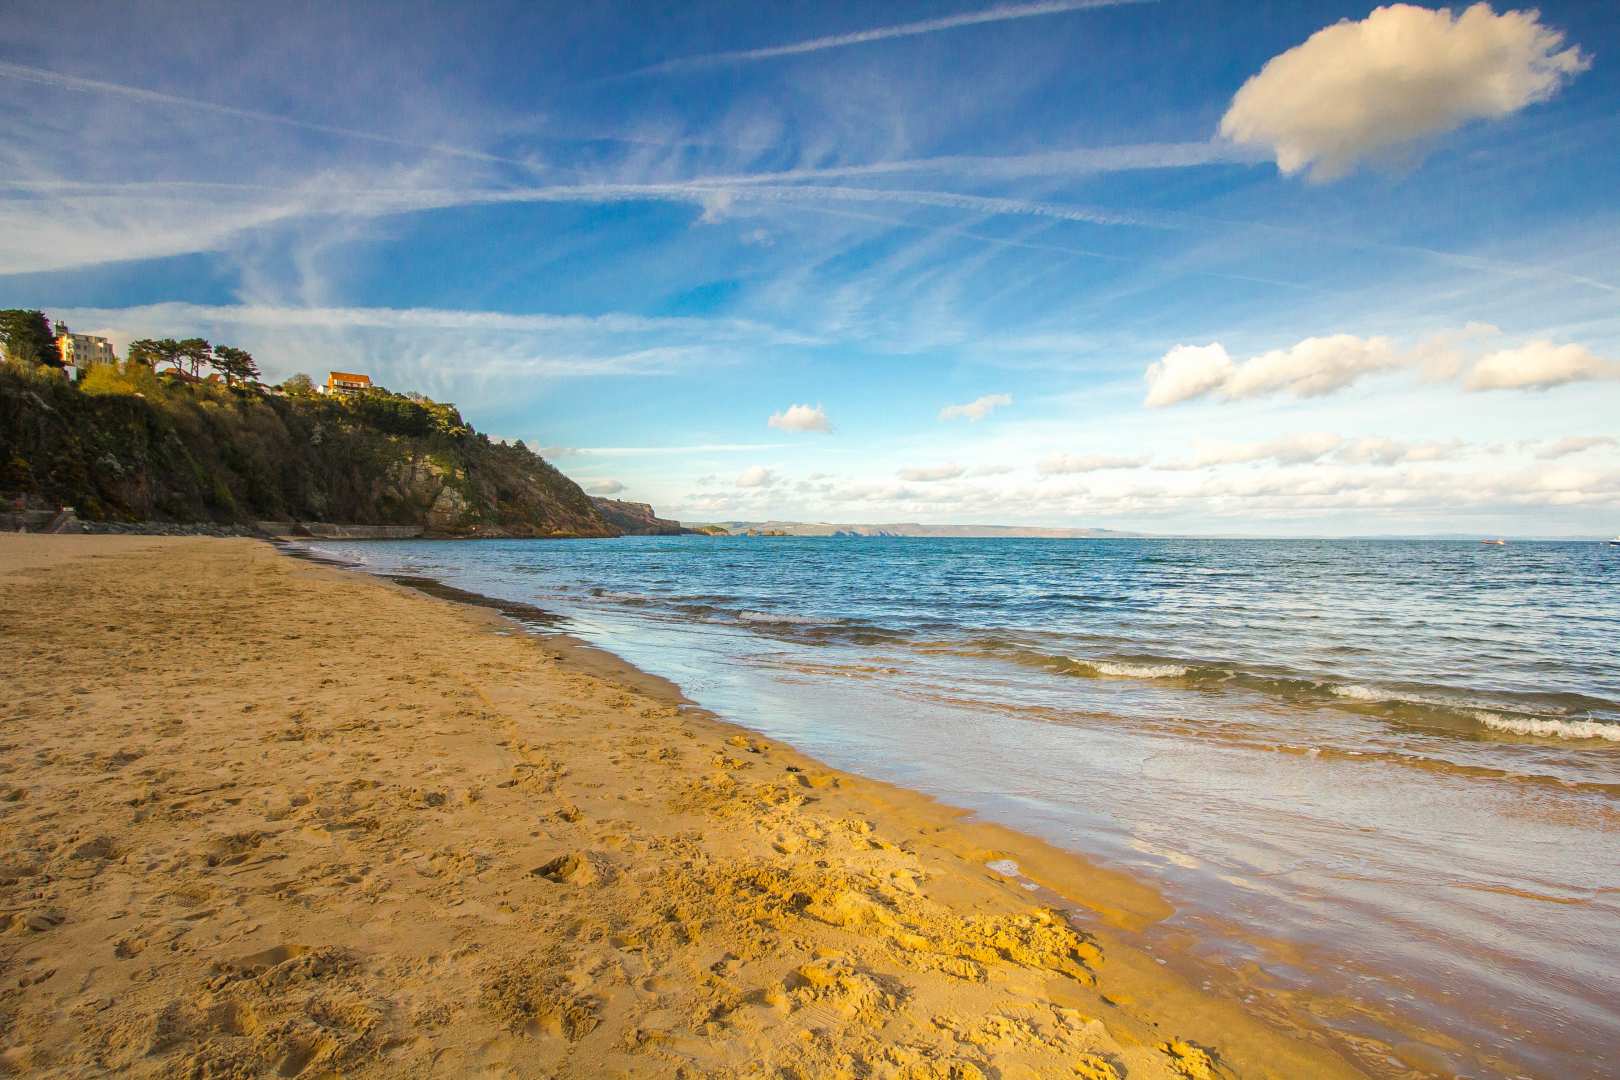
x=264 y=817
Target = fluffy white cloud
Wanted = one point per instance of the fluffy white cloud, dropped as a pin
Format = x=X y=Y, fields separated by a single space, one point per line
x=1539 y=366
x=977 y=409
x=1376 y=89
x=1187 y=372
x=801 y=418
x=1311 y=368
x=1314 y=367
x=1574 y=444
x=933 y=473
x=1067 y=464
x=605 y=487
x=1318 y=366
x=756 y=476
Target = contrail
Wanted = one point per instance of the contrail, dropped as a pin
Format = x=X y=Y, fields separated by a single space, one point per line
x=46 y=77
x=1000 y=13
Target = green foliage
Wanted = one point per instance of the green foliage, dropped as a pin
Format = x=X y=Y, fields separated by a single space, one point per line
x=299 y=385
x=235 y=364
x=150 y=353
x=195 y=353
x=137 y=445
x=402 y=414
x=109 y=379
x=27 y=338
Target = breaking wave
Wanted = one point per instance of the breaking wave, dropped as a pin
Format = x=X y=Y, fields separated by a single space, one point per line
x=1550 y=729
x=1125 y=669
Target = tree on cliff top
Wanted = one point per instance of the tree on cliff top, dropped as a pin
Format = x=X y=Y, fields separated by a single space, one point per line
x=196 y=353
x=152 y=352
x=234 y=364
x=27 y=337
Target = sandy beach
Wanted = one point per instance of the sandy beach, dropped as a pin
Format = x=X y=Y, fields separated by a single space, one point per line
x=264 y=817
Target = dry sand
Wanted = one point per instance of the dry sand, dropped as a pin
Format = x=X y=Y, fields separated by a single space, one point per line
x=263 y=817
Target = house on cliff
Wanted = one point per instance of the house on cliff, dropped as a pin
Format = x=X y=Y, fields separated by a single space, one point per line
x=345 y=382
x=80 y=351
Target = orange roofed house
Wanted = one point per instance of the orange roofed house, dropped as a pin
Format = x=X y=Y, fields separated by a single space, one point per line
x=345 y=382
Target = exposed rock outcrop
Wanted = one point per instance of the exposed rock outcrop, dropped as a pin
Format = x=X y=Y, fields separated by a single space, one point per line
x=636 y=518
x=168 y=451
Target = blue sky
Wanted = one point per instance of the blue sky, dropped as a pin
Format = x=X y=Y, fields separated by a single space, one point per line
x=1199 y=267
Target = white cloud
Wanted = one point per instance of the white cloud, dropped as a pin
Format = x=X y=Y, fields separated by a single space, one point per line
x=1307 y=448
x=929 y=474
x=801 y=418
x=1066 y=464
x=1319 y=366
x=977 y=409
x=1301 y=449
x=1314 y=367
x=1539 y=365
x=1311 y=368
x=1187 y=372
x=604 y=487
x=1376 y=89
x=1574 y=444
x=1380 y=451
x=756 y=476
x=716 y=205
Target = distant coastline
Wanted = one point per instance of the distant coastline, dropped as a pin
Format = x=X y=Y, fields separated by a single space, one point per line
x=903 y=529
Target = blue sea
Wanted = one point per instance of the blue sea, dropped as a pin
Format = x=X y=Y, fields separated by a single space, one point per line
x=1380 y=774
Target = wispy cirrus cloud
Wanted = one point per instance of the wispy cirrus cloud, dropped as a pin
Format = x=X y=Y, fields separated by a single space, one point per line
x=1000 y=13
x=275 y=316
x=139 y=95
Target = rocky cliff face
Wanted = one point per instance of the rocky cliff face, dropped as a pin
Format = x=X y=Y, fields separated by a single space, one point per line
x=636 y=519
x=182 y=453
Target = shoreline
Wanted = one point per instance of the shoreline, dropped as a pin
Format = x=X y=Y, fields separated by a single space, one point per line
x=1263 y=975
x=806 y=919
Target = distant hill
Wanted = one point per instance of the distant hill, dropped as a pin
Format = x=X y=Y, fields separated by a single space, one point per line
x=636 y=518
x=800 y=528
x=137 y=446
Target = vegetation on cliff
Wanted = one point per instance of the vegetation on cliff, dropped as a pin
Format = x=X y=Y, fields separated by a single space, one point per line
x=139 y=445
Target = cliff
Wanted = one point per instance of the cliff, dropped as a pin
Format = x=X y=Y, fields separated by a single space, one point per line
x=144 y=447
x=636 y=519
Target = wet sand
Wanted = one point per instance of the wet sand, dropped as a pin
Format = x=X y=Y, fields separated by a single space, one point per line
x=265 y=817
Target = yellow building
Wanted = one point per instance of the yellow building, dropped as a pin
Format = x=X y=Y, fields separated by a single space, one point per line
x=80 y=351
x=345 y=382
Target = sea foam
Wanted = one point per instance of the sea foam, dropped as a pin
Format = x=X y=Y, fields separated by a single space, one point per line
x=1134 y=671
x=1550 y=729
x=1356 y=692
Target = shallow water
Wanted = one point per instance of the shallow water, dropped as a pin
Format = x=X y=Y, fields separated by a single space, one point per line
x=1379 y=779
